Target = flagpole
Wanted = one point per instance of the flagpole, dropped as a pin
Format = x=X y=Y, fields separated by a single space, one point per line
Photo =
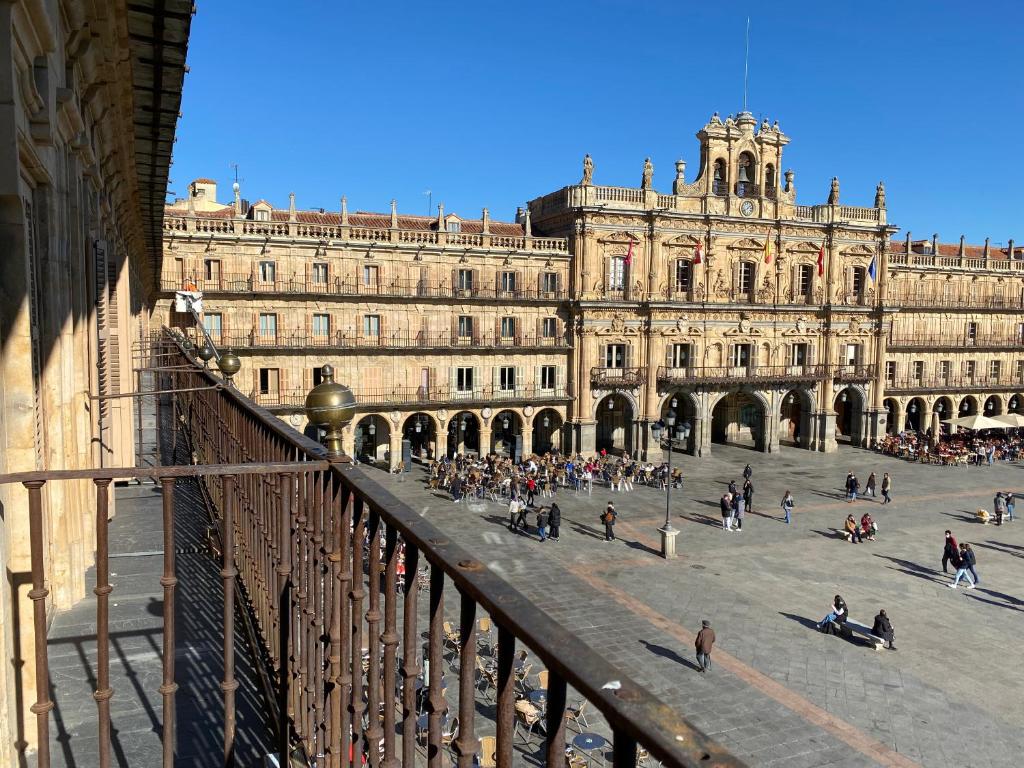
x=746 y=63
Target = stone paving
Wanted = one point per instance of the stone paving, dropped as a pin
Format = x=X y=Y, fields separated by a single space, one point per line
x=780 y=693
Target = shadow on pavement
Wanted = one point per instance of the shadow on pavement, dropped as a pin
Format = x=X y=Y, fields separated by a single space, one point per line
x=671 y=655
x=808 y=623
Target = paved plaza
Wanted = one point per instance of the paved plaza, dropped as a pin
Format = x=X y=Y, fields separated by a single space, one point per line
x=781 y=693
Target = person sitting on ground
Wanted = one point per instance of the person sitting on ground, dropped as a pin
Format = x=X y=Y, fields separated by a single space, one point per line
x=883 y=628
x=868 y=527
x=852 y=529
x=836 y=617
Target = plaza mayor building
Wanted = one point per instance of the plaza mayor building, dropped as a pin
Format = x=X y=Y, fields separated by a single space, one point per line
x=758 y=319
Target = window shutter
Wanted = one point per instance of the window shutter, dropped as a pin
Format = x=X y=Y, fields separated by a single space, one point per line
x=476 y=281
x=455 y=328
x=558 y=281
x=559 y=378
x=453 y=380
x=668 y=355
x=455 y=280
x=497 y=282
x=282 y=380
x=602 y=355
x=629 y=356
x=255 y=380
x=540 y=329
x=540 y=283
x=518 y=383
x=495 y=378
x=519 y=281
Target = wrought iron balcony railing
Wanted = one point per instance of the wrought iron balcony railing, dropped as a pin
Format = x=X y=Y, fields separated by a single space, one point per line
x=950 y=341
x=422 y=342
x=314 y=549
x=412 y=397
x=617 y=378
x=853 y=372
x=938 y=383
x=735 y=374
x=958 y=301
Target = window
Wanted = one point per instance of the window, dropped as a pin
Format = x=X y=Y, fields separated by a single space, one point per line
x=270 y=380
x=741 y=355
x=319 y=272
x=852 y=354
x=857 y=281
x=769 y=180
x=507 y=282
x=211 y=270
x=617 y=273
x=453 y=226
x=1020 y=370
x=615 y=356
x=549 y=327
x=550 y=282
x=318 y=375
x=918 y=371
x=890 y=372
x=370 y=273
x=547 y=377
x=972 y=333
x=679 y=356
x=684 y=273
x=746 y=181
x=465 y=327
x=268 y=271
x=799 y=354
x=804 y=280
x=746 y=277
x=1020 y=333
x=464 y=280
x=212 y=322
x=944 y=368
x=508 y=327
x=268 y=326
x=464 y=379
x=261 y=215
x=321 y=325
x=720 y=184
x=507 y=378
x=371 y=326
x=994 y=369
x=969 y=371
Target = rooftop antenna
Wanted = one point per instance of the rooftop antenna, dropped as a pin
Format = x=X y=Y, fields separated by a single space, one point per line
x=746 y=64
x=237 y=180
x=430 y=200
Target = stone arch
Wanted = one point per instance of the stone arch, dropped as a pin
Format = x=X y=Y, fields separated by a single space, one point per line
x=422 y=441
x=506 y=426
x=629 y=396
x=997 y=405
x=741 y=417
x=372 y=438
x=464 y=433
x=893 y=410
x=968 y=406
x=916 y=416
x=941 y=408
x=688 y=410
x=794 y=419
x=615 y=415
x=547 y=437
x=1015 y=403
x=692 y=400
x=850 y=405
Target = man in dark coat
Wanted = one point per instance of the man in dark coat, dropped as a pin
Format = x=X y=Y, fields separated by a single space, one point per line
x=703 y=644
x=554 y=520
x=950 y=552
x=883 y=628
x=608 y=518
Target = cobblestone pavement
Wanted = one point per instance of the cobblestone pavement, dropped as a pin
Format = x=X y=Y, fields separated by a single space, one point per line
x=781 y=693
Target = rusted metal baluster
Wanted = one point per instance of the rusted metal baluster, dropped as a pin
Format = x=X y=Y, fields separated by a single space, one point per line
x=466 y=743
x=435 y=649
x=344 y=586
x=38 y=594
x=356 y=705
x=298 y=640
x=410 y=657
x=556 y=719
x=333 y=601
x=390 y=641
x=623 y=750
x=284 y=607
x=373 y=729
x=506 y=696
x=228 y=574
x=102 y=592
x=168 y=581
x=316 y=631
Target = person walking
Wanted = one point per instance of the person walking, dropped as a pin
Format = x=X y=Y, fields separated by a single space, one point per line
x=962 y=570
x=739 y=509
x=608 y=518
x=748 y=495
x=886 y=488
x=1010 y=503
x=883 y=628
x=542 y=523
x=747 y=472
x=970 y=561
x=854 y=487
x=703 y=644
x=555 y=520
x=999 y=507
x=849 y=482
x=787 y=505
x=531 y=489
x=456 y=489
x=726 y=504
x=950 y=552
x=513 y=508
x=869 y=486
x=521 y=517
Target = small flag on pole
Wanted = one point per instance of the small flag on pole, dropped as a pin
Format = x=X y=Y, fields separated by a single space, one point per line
x=821 y=259
x=629 y=254
x=871 y=269
x=697 y=254
x=768 y=248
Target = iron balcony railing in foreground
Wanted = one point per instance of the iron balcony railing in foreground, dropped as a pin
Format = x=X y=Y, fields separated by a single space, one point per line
x=336 y=286
x=339 y=631
x=411 y=397
x=350 y=339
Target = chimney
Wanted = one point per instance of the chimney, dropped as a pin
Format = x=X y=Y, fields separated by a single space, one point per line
x=986 y=248
x=238 y=199
x=291 y=206
x=486 y=218
x=344 y=211
x=394 y=213
x=526 y=222
x=962 y=250
x=440 y=217
x=935 y=244
x=910 y=247
x=1009 y=250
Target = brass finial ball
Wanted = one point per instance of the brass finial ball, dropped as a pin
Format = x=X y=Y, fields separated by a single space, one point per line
x=331 y=406
x=206 y=354
x=229 y=364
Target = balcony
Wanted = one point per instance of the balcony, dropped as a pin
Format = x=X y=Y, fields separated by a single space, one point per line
x=737 y=374
x=245 y=283
x=395 y=342
x=617 y=378
x=954 y=383
x=747 y=189
x=955 y=302
x=417 y=397
x=719 y=188
x=854 y=372
x=947 y=341
x=251 y=523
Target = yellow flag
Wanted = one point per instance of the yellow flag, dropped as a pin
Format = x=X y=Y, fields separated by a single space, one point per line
x=768 y=249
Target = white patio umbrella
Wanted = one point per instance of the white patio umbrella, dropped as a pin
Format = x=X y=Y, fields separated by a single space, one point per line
x=1011 y=419
x=977 y=421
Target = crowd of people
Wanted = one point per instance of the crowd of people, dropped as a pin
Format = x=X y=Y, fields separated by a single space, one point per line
x=966 y=448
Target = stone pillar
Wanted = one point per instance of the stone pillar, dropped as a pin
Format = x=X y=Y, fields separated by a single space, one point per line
x=771 y=423
x=348 y=439
x=485 y=439
x=586 y=438
x=527 y=437
x=395 y=448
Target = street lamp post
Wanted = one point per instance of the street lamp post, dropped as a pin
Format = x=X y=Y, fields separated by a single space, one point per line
x=668 y=426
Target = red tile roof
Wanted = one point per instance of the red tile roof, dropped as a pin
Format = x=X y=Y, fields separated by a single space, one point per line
x=372 y=220
x=204 y=181
x=951 y=249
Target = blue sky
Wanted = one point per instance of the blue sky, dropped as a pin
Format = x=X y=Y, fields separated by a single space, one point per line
x=493 y=103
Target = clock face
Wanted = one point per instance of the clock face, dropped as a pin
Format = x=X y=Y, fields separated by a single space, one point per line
x=747 y=208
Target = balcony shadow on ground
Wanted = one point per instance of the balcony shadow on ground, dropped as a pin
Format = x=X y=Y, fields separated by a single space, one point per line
x=913 y=569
